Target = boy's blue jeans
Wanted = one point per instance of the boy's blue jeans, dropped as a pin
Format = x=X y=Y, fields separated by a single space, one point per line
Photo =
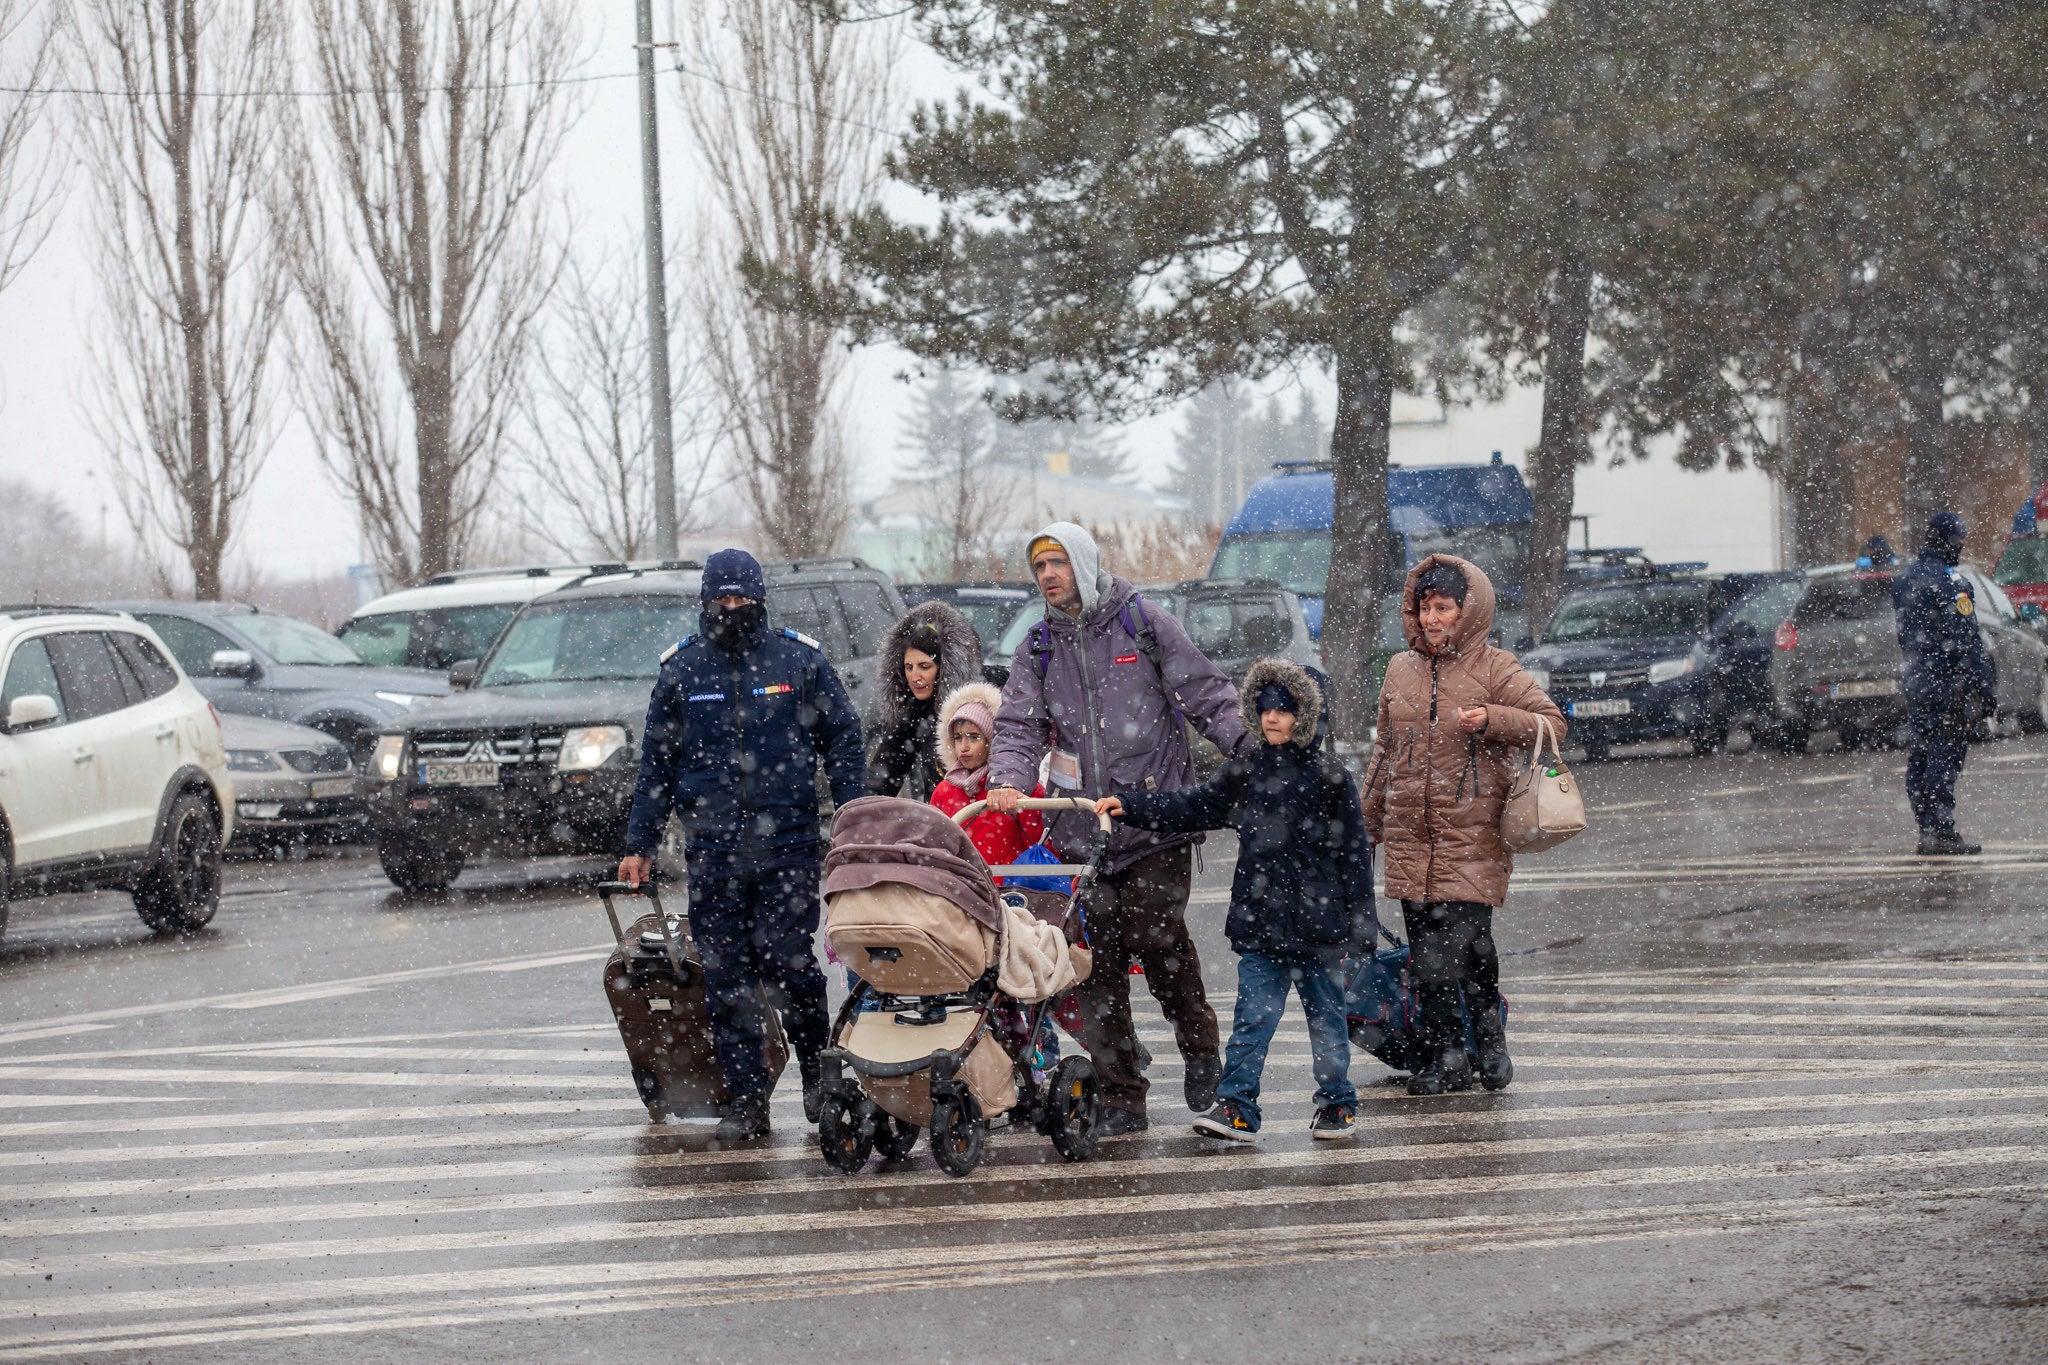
x=1262 y=986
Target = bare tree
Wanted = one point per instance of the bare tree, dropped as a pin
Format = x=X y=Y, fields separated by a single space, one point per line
x=965 y=490
x=439 y=122
x=193 y=291
x=587 y=434
x=30 y=185
x=787 y=106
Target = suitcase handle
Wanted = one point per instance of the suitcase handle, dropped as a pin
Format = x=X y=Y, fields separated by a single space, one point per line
x=605 y=892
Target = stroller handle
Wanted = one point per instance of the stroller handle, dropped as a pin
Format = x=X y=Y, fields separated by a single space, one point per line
x=974 y=808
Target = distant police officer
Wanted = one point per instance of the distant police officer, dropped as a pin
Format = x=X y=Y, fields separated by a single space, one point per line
x=739 y=720
x=1947 y=669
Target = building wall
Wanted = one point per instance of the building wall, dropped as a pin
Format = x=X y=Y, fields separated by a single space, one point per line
x=1988 y=480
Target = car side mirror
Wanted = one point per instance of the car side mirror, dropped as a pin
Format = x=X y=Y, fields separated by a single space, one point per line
x=232 y=663
x=462 y=674
x=1267 y=634
x=27 y=712
x=2031 y=611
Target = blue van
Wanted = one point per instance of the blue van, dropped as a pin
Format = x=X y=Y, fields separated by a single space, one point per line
x=1479 y=512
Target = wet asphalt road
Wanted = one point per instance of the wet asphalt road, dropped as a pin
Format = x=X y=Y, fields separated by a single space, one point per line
x=1782 y=1094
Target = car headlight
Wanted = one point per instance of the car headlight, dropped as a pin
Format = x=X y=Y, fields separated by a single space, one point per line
x=251 y=761
x=589 y=746
x=1669 y=670
x=1539 y=676
x=405 y=699
x=387 y=760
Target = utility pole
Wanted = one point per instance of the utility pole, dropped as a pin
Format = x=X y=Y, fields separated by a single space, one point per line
x=657 y=297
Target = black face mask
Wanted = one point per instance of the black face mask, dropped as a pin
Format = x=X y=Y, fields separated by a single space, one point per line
x=1948 y=551
x=736 y=629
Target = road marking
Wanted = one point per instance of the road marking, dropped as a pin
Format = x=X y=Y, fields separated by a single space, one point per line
x=40 y=1026
x=1024 y=1213
x=870 y=1271
x=34 y=1034
x=193 y=1075
x=1371 y=1123
x=1831 y=778
x=562 y=960
x=812 y=1269
x=295 y=995
x=815 y=1219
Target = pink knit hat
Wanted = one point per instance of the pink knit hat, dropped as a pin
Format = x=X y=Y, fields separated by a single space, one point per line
x=976 y=713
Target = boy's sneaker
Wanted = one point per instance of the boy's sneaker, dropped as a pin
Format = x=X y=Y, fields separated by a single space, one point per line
x=1228 y=1122
x=1334 y=1122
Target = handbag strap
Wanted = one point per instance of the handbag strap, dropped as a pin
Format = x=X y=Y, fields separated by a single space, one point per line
x=1543 y=733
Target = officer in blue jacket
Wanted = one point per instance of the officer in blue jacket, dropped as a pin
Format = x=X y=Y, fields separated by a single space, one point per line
x=1947 y=668
x=739 y=720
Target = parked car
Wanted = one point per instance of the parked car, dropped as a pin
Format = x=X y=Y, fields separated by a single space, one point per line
x=1739 y=651
x=292 y=782
x=1836 y=663
x=988 y=606
x=258 y=663
x=1234 y=621
x=113 y=773
x=1629 y=660
x=538 y=750
x=450 y=617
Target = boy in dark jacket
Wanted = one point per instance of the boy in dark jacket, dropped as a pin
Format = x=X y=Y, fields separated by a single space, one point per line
x=1302 y=894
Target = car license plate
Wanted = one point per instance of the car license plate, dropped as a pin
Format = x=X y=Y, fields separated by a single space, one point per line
x=1874 y=687
x=327 y=788
x=459 y=774
x=1584 y=709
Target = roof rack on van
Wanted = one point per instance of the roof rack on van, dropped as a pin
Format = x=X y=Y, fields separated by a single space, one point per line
x=1305 y=466
x=55 y=609
x=1197 y=583
x=583 y=570
x=840 y=562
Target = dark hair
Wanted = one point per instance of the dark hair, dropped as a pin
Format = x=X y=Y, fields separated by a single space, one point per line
x=1440 y=578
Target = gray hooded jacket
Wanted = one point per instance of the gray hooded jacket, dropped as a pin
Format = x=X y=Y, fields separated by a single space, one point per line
x=1104 y=710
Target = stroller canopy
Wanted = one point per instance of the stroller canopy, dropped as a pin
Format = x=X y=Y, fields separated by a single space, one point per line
x=879 y=839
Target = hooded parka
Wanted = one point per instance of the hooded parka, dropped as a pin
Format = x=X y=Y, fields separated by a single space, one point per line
x=1433 y=794
x=906 y=728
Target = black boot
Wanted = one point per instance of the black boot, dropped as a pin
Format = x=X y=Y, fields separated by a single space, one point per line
x=813 y=1073
x=745 y=1120
x=1946 y=843
x=1200 y=1078
x=1496 y=1069
x=1450 y=1075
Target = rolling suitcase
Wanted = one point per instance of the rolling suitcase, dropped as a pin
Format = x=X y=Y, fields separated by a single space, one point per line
x=655 y=984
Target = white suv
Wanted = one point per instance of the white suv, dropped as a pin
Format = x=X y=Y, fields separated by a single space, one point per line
x=112 y=768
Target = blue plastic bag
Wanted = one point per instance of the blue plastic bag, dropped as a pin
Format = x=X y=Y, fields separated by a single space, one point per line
x=1039 y=853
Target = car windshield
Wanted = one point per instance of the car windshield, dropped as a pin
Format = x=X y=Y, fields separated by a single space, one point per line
x=294 y=642
x=1635 y=613
x=1501 y=552
x=1027 y=616
x=1297 y=560
x=989 y=616
x=2024 y=561
x=1861 y=597
x=588 y=640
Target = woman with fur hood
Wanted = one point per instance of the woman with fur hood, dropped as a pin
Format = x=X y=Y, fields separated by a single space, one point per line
x=927 y=654
x=1301 y=898
x=1455 y=712
x=967 y=727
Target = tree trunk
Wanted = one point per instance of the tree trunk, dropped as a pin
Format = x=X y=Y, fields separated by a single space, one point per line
x=203 y=550
x=433 y=393
x=2037 y=434
x=1554 y=464
x=1926 y=472
x=1358 y=531
x=1817 y=479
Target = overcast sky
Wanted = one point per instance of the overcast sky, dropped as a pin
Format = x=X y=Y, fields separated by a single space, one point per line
x=297 y=524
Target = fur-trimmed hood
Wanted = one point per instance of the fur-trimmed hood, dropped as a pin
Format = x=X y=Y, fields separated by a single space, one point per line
x=1308 y=698
x=959 y=656
x=986 y=694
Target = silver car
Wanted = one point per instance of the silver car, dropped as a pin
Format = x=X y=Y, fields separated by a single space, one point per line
x=291 y=782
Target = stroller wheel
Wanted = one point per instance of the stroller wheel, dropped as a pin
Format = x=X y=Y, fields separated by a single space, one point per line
x=958 y=1135
x=846 y=1132
x=1073 y=1101
x=893 y=1137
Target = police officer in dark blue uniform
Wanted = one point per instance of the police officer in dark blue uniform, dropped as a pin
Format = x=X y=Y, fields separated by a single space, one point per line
x=739 y=720
x=1947 y=670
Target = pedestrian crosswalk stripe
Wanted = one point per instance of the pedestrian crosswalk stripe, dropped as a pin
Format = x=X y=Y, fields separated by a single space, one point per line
x=523 y=1201
x=645 y=1286
x=1372 y=1123
x=1219 y=1201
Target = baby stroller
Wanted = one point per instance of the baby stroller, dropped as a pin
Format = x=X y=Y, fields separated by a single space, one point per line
x=956 y=976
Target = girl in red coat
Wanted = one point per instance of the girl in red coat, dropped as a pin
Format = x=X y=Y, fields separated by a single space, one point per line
x=967 y=725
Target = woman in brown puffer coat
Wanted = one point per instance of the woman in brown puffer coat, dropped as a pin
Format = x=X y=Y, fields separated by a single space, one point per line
x=1456 y=715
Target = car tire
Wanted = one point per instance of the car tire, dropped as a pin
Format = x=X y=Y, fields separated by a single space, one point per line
x=1710 y=741
x=419 y=869
x=1789 y=738
x=180 y=890
x=1597 y=750
x=2034 y=719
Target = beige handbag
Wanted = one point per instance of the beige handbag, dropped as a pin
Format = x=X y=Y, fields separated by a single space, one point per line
x=1544 y=807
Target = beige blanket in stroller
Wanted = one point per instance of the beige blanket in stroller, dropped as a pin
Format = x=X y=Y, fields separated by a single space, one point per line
x=1036 y=962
